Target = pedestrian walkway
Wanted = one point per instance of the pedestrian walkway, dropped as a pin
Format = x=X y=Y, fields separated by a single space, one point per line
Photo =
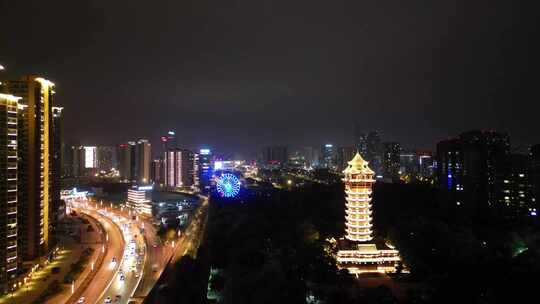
x=42 y=279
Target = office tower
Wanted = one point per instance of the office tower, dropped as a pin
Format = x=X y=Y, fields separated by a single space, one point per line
x=468 y=165
x=328 y=156
x=391 y=160
x=205 y=169
x=35 y=163
x=357 y=253
x=56 y=166
x=408 y=163
x=360 y=141
x=534 y=154
x=9 y=258
x=179 y=168
x=143 y=159
x=275 y=155
x=168 y=141
x=374 y=151
x=157 y=171
x=126 y=161
x=425 y=164
x=196 y=172
x=344 y=154
x=106 y=158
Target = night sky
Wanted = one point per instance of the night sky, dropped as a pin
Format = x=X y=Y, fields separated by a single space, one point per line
x=236 y=75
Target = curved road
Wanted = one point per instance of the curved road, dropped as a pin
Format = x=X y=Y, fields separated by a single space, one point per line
x=115 y=248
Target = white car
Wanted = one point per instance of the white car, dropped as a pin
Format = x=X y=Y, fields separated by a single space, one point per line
x=108 y=300
x=81 y=300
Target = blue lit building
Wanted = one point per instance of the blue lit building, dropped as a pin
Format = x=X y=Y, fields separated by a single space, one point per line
x=328 y=156
x=205 y=169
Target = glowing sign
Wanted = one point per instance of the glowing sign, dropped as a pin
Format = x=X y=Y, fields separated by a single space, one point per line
x=228 y=185
x=90 y=160
x=143 y=188
x=204 y=151
x=218 y=165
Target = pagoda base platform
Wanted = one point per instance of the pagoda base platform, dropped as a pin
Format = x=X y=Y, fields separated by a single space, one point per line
x=366 y=257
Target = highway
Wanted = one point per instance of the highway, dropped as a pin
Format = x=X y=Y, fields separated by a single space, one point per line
x=117 y=279
x=140 y=259
x=115 y=247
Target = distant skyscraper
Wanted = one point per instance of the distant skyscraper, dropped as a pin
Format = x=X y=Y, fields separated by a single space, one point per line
x=374 y=151
x=425 y=164
x=9 y=258
x=90 y=157
x=126 y=161
x=144 y=158
x=468 y=166
x=360 y=141
x=391 y=160
x=179 y=168
x=168 y=141
x=157 y=171
x=106 y=158
x=344 y=154
x=275 y=155
x=328 y=156
x=205 y=169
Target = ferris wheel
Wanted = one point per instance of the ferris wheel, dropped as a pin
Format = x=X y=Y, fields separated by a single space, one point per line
x=228 y=185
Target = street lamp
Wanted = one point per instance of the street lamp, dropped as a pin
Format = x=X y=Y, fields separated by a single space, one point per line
x=2 y=67
x=72 y=287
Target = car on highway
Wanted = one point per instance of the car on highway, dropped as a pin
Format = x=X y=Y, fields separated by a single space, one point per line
x=113 y=260
x=81 y=300
x=122 y=277
x=108 y=300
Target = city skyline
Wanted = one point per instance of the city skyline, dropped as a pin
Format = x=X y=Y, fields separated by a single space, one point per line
x=236 y=77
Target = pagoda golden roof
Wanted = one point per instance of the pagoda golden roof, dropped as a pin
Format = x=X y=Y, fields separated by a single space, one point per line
x=358 y=165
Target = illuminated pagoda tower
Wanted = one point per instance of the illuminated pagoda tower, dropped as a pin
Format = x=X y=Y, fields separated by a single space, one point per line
x=357 y=252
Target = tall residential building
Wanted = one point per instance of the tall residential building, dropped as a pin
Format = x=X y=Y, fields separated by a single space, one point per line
x=143 y=158
x=9 y=246
x=391 y=160
x=274 y=155
x=357 y=252
x=179 y=168
x=534 y=155
x=56 y=166
x=328 y=156
x=467 y=166
x=513 y=190
x=35 y=172
x=126 y=161
x=156 y=174
x=344 y=154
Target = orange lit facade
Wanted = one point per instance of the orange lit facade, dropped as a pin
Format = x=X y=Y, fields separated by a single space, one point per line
x=358 y=253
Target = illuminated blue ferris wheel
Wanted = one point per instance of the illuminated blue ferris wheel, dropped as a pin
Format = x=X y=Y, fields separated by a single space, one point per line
x=228 y=185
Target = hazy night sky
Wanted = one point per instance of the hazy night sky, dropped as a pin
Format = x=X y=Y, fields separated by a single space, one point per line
x=237 y=75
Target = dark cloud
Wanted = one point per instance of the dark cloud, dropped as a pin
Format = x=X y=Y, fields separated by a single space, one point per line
x=240 y=74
